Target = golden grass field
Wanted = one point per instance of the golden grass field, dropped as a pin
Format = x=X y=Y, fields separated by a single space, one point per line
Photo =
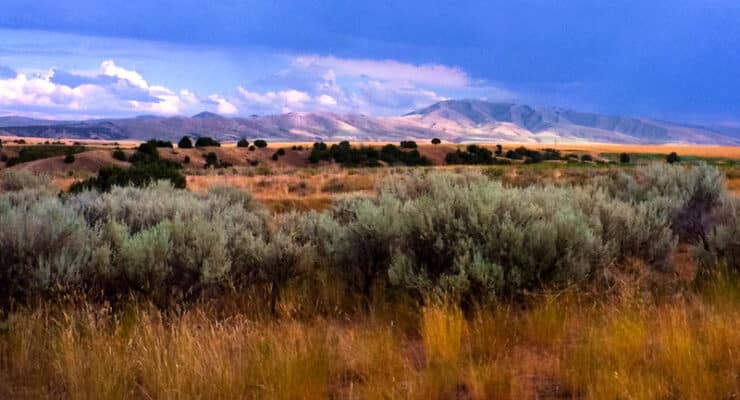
x=558 y=346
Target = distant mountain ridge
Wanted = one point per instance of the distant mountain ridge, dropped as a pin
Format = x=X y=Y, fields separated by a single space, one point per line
x=451 y=120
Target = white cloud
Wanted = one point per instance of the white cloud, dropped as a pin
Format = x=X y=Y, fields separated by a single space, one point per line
x=223 y=105
x=285 y=100
x=109 y=68
x=327 y=100
x=112 y=90
x=387 y=70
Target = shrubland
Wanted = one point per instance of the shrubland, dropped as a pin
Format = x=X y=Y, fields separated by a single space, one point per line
x=439 y=285
x=452 y=235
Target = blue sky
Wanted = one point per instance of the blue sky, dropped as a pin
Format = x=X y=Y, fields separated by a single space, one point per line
x=676 y=60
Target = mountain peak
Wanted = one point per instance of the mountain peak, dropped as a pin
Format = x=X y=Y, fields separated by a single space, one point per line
x=206 y=115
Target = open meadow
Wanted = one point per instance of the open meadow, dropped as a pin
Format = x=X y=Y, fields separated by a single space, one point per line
x=144 y=271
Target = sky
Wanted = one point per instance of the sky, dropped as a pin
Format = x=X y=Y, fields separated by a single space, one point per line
x=675 y=60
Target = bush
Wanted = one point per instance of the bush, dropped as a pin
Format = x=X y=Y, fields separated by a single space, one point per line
x=393 y=155
x=723 y=242
x=44 y=246
x=408 y=144
x=673 y=158
x=139 y=175
x=252 y=148
x=32 y=153
x=186 y=160
x=624 y=158
x=161 y=143
x=260 y=143
x=242 y=143
x=185 y=143
x=473 y=155
x=280 y=152
x=688 y=194
x=3 y=157
x=436 y=141
x=69 y=159
x=119 y=155
x=513 y=155
x=206 y=142
x=145 y=153
x=587 y=158
x=344 y=154
x=211 y=160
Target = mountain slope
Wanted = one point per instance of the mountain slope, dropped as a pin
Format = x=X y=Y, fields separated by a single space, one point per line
x=453 y=120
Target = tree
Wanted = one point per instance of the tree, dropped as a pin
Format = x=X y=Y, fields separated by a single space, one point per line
x=242 y=143
x=673 y=158
x=275 y=157
x=252 y=148
x=185 y=143
x=69 y=158
x=119 y=155
x=281 y=152
x=624 y=158
x=408 y=144
x=436 y=141
x=587 y=157
x=260 y=143
x=499 y=150
x=206 y=142
x=186 y=160
x=211 y=160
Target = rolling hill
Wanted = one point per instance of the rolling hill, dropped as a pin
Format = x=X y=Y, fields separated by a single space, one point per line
x=452 y=120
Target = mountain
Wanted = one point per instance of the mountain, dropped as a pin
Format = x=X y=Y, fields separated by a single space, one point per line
x=452 y=120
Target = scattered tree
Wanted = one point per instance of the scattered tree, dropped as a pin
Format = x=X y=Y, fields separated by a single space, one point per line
x=260 y=143
x=185 y=143
x=119 y=155
x=242 y=143
x=624 y=158
x=673 y=158
x=207 y=142
x=436 y=141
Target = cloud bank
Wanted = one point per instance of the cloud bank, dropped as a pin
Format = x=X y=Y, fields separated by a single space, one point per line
x=304 y=83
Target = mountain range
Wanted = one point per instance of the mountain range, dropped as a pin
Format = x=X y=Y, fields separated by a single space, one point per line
x=451 y=120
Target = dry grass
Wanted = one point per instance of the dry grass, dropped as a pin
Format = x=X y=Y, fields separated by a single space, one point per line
x=558 y=346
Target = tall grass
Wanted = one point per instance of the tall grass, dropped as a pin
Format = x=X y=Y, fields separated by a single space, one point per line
x=659 y=349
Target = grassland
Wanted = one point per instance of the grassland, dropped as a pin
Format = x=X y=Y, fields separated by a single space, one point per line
x=634 y=328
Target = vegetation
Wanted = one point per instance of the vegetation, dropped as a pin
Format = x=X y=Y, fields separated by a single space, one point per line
x=436 y=141
x=408 y=144
x=260 y=143
x=392 y=155
x=624 y=158
x=474 y=154
x=185 y=143
x=119 y=155
x=242 y=143
x=673 y=158
x=147 y=168
x=439 y=285
x=38 y=152
x=206 y=142
x=69 y=159
x=346 y=155
x=441 y=234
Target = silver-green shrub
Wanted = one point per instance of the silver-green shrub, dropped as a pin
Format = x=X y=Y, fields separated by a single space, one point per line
x=44 y=245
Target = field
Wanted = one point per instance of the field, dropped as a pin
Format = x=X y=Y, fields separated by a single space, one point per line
x=287 y=279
